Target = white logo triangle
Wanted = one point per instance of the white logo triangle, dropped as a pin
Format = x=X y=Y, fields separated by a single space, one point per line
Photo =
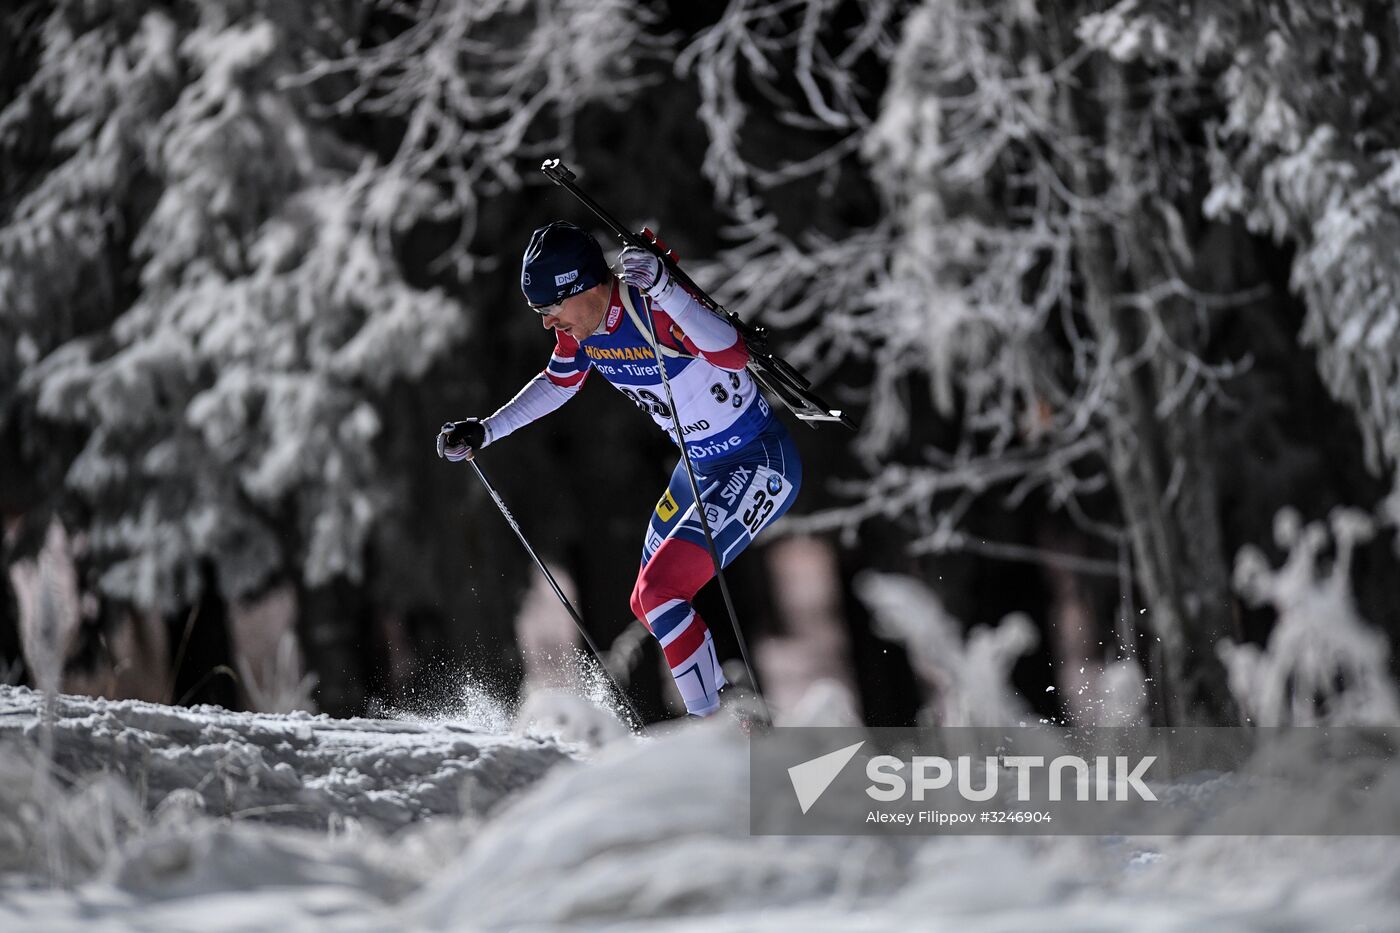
x=811 y=778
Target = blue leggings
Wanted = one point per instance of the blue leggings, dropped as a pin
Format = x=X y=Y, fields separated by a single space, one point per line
x=742 y=494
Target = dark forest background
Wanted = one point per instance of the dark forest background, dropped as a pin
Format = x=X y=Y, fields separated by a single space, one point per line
x=1110 y=289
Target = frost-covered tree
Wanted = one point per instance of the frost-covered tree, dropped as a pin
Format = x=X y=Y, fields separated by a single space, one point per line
x=204 y=272
x=1308 y=153
x=223 y=381
x=1054 y=254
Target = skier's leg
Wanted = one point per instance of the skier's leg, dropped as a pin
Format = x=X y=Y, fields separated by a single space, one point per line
x=662 y=599
x=740 y=499
x=746 y=495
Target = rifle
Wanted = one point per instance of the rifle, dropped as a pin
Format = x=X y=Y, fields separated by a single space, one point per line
x=770 y=371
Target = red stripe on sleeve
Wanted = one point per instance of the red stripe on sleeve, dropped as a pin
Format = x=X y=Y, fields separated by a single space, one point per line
x=733 y=358
x=570 y=373
x=568 y=381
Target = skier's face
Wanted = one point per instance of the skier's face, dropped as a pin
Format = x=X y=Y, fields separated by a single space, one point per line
x=580 y=315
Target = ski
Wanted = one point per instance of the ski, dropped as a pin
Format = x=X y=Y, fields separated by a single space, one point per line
x=782 y=382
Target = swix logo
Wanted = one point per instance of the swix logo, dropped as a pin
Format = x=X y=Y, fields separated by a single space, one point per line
x=564 y=278
x=730 y=493
x=714 y=447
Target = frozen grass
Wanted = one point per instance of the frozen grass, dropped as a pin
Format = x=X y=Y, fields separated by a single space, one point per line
x=1323 y=663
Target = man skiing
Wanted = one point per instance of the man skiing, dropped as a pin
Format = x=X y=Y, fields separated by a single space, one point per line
x=745 y=463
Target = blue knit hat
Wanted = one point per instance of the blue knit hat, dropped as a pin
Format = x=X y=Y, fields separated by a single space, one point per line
x=561 y=261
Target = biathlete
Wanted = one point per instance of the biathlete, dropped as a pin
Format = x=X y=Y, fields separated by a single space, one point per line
x=745 y=463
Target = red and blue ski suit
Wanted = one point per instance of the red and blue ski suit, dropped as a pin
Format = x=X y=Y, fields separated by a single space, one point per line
x=745 y=462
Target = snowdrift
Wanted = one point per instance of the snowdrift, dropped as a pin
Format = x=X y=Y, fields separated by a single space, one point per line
x=300 y=822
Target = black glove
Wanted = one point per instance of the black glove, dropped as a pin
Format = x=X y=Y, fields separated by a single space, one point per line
x=458 y=440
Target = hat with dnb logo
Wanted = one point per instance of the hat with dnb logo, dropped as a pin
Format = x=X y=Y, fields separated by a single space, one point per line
x=562 y=260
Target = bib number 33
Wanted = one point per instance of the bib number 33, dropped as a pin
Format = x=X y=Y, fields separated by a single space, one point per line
x=759 y=510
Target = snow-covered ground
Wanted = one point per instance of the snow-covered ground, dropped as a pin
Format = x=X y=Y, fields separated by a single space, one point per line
x=159 y=818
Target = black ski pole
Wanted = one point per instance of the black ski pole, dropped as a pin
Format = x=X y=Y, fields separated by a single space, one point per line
x=554 y=585
x=771 y=372
x=676 y=424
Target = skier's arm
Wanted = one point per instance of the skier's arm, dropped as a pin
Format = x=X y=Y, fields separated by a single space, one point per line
x=706 y=332
x=544 y=394
x=539 y=397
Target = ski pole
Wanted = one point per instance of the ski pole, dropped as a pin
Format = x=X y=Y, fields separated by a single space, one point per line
x=705 y=521
x=554 y=585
